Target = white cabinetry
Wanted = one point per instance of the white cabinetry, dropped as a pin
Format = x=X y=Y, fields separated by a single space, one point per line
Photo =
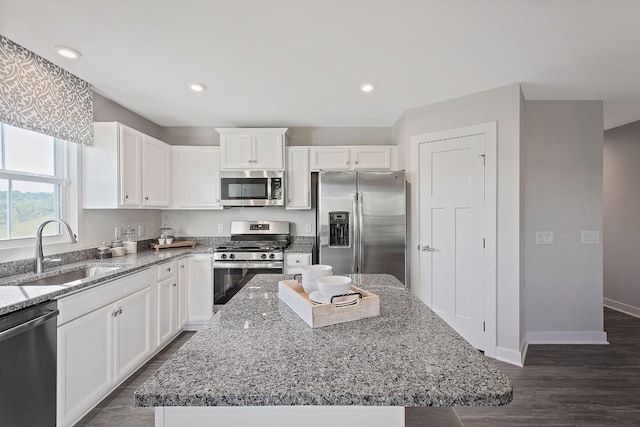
x=183 y=283
x=298 y=178
x=199 y=291
x=353 y=157
x=125 y=169
x=168 y=296
x=156 y=169
x=196 y=177
x=252 y=148
x=104 y=334
x=294 y=262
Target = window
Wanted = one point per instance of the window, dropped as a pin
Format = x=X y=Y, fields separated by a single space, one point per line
x=32 y=182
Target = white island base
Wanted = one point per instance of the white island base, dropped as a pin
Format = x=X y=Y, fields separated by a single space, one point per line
x=280 y=416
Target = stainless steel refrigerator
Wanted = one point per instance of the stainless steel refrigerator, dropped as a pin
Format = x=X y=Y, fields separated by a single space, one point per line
x=361 y=222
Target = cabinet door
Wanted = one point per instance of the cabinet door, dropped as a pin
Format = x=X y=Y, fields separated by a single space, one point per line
x=167 y=309
x=268 y=151
x=336 y=158
x=129 y=148
x=236 y=151
x=200 y=288
x=85 y=352
x=298 y=186
x=183 y=281
x=156 y=168
x=196 y=177
x=133 y=340
x=371 y=157
x=294 y=262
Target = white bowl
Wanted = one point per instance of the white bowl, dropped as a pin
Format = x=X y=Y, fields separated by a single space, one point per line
x=309 y=286
x=330 y=286
x=312 y=272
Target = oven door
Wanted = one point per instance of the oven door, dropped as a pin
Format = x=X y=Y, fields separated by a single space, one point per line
x=230 y=277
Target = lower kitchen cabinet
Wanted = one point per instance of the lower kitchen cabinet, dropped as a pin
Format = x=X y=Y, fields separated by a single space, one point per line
x=295 y=261
x=85 y=360
x=104 y=334
x=167 y=313
x=132 y=332
x=199 y=291
x=183 y=280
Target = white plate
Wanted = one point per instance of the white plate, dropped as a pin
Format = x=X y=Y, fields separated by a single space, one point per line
x=317 y=297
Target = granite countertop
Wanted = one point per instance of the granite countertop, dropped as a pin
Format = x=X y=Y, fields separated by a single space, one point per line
x=257 y=352
x=15 y=296
x=300 y=248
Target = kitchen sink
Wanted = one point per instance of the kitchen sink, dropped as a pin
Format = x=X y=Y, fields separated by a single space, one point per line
x=72 y=276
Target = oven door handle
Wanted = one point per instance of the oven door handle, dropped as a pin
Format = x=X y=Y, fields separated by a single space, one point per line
x=242 y=264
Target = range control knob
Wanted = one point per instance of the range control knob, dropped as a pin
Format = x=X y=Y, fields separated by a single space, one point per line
x=263 y=256
x=272 y=256
x=232 y=256
x=223 y=256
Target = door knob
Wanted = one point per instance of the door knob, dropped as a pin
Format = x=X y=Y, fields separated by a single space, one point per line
x=426 y=248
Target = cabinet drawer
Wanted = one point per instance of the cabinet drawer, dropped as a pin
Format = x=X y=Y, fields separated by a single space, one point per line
x=294 y=262
x=84 y=302
x=167 y=269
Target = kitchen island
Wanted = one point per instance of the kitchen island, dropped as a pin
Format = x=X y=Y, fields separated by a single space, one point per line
x=258 y=363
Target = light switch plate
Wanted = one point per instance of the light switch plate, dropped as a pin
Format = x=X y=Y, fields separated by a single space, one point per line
x=544 y=237
x=141 y=230
x=307 y=228
x=590 y=237
x=220 y=228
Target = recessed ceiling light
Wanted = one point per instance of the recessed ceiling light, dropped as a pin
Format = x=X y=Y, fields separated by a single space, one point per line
x=367 y=87
x=197 y=87
x=67 y=52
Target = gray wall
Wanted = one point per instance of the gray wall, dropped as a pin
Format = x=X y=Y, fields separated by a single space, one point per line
x=207 y=135
x=621 y=218
x=562 y=193
x=105 y=110
x=500 y=105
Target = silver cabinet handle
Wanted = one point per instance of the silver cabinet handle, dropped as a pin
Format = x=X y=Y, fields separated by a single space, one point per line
x=174 y=285
x=426 y=248
x=146 y=198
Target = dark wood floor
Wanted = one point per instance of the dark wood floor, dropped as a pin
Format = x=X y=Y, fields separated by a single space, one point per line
x=560 y=385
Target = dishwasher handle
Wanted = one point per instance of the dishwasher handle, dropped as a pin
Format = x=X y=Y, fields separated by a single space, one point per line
x=11 y=332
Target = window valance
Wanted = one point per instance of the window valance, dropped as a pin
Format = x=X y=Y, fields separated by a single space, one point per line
x=37 y=95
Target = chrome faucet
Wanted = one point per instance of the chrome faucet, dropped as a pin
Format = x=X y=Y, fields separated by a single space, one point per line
x=39 y=264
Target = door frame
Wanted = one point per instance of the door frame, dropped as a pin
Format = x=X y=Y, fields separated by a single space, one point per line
x=489 y=130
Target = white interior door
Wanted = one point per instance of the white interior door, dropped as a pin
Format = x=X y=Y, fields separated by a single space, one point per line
x=451 y=244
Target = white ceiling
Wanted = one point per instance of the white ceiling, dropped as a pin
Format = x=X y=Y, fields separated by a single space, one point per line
x=300 y=62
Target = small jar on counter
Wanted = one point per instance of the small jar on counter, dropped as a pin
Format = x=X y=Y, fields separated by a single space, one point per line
x=129 y=240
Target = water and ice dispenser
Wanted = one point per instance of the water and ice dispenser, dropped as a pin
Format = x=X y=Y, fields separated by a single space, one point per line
x=339 y=229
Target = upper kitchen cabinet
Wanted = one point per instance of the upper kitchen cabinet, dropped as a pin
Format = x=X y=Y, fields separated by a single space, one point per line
x=252 y=148
x=380 y=157
x=298 y=178
x=196 y=177
x=156 y=169
x=125 y=169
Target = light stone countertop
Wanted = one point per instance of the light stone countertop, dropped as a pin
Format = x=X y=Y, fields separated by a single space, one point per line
x=257 y=352
x=15 y=296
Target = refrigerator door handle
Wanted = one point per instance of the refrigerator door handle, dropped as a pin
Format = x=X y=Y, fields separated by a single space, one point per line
x=360 y=232
x=355 y=234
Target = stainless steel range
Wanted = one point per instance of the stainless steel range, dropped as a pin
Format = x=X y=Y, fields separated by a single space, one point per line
x=256 y=247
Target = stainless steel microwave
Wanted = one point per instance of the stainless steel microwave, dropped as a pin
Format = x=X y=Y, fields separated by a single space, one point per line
x=252 y=188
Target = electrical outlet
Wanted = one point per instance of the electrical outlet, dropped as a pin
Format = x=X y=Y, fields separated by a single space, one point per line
x=141 y=230
x=307 y=228
x=544 y=237
x=590 y=237
x=220 y=228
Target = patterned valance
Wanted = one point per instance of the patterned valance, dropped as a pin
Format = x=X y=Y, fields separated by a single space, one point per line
x=37 y=95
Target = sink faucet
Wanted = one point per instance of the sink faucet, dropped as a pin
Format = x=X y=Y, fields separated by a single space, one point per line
x=39 y=265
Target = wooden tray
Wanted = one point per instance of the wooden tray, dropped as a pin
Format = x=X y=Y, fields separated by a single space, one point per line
x=182 y=244
x=318 y=315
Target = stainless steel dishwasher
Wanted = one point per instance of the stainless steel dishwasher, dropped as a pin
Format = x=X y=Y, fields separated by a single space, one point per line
x=28 y=366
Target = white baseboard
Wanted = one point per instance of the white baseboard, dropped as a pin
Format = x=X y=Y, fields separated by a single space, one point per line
x=509 y=356
x=567 y=337
x=622 y=307
x=524 y=347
